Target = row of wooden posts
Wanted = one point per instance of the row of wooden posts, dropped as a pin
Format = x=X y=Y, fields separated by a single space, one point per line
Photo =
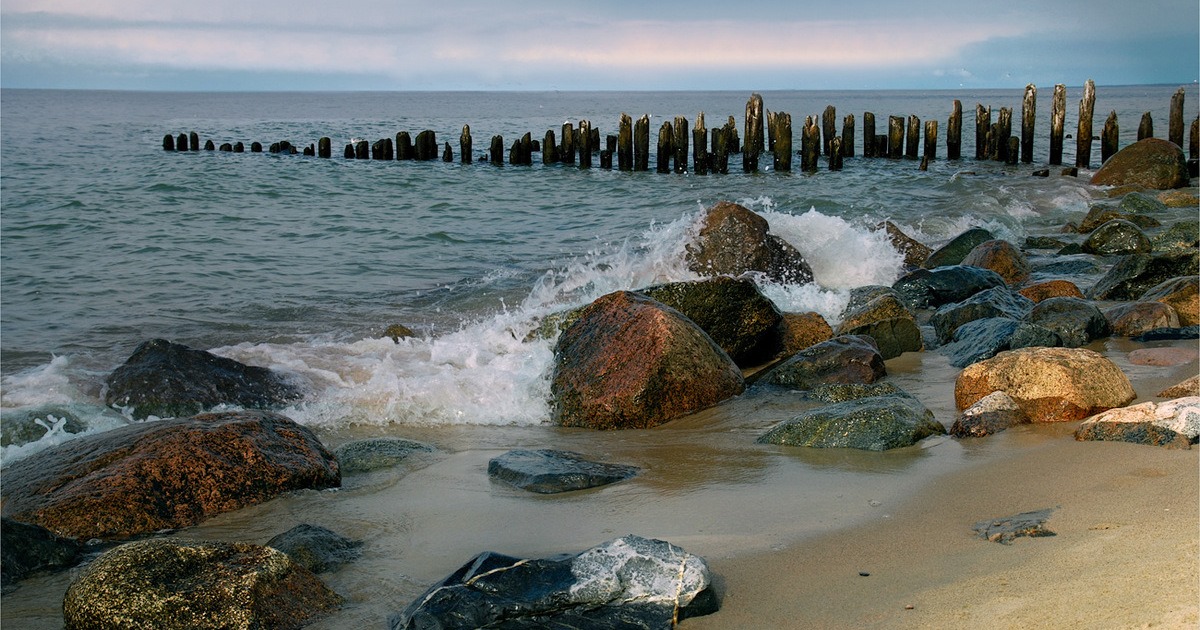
x=993 y=140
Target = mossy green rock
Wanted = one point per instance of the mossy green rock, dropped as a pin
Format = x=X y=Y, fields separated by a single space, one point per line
x=877 y=423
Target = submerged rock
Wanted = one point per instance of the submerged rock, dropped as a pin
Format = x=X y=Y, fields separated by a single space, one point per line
x=147 y=477
x=1169 y=334
x=734 y=240
x=168 y=583
x=550 y=471
x=629 y=582
x=732 y=311
x=29 y=424
x=1150 y=162
x=370 y=454
x=1004 y=530
x=1134 y=318
x=26 y=549
x=876 y=423
x=1174 y=423
x=984 y=338
x=1117 y=237
x=316 y=548
x=1135 y=274
x=843 y=359
x=170 y=380
x=926 y=288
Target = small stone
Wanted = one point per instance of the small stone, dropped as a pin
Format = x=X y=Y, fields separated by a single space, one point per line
x=1004 y=530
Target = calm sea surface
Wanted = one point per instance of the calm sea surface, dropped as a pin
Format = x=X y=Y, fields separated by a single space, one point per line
x=301 y=263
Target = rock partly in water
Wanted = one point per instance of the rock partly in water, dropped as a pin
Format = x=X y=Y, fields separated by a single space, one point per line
x=1051 y=288
x=148 y=477
x=841 y=392
x=632 y=362
x=1134 y=318
x=991 y=414
x=1117 y=237
x=1181 y=236
x=1133 y=275
x=843 y=359
x=629 y=582
x=1004 y=530
x=956 y=250
x=317 y=548
x=802 y=330
x=1163 y=357
x=732 y=311
x=1174 y=423
x=915 y=253
x=549 y=471
x=1189 y=387
x=27 y=549
x=1003 y=258
x=23 y=425
x=1077 y=322
x=1169 y=334
x=1182 y=294
x=926 y=288
x=733 y=240
x=985 y=338
x=989 y=303
x=1048 y=384
x=1150 y=162
x=362 y=456
x=169 y=583
x=876 y=423
x=171 y=380
x=884 y=318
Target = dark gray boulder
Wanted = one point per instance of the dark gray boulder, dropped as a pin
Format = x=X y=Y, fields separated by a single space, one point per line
x=1076 y=322
x=993 y=302
x=549 y=471
x=734 y=240
x=26 y=549
x=1117 y=238
x=738 y=317
x=931 y=288
x=316 y=548
x=956 y=250
x=1135 y=274
x=879 y=313
x=371 y=454
x=876 y=423
x=843 y=359
x=171 y=380
x=29 y=424
x=626 y=583
x=985 y=338
x=1169 y=334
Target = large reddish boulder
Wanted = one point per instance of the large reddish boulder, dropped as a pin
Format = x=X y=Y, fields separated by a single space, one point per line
x=1003 y=258
x=1150 y=163
x=632 y=362
x=142 y=478
x=1048 y=384
x=734 y=240
x=1181 y=294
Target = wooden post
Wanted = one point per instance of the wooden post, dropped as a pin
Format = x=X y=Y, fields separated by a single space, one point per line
x=324 y=147
x=1058 y=116
x=914 y=137
x=404 y=146
x=168 y=142
x=993 y=142
x=1013 y=150
x=348 y=153
x=783 y=142
x=1028 y=122
x=931 y=137
x=181 y=143
x=606 y=158
x=381 y=149
x=754 y=133
x=679 y=143
x=255 y=147
x=625 y=143
x=983 y=124
x=1004 y=129
x=720 y=150
x=828 y=120
x=585 y=147
x=1146 y=127
x=209 y=146
x=835 y=154
x=1109 y=137
x=881 y=145
x=427 y=145
x=1083 y=138
x=665 y=136
x=447 y=153
x=954 y=132
x=732 y=141
x=847 y=135
x=700 y=157
x=641 y=143
x=610 y=143
x=194 y=140
x=464 y=144
x=527 y=149
x=1175 y=128
x=496 y=151
x=771 y=131
x=226 y=147
x=1194 y=141
x=238 y=147
x=566 y=150
x=895 y=137
x=810 y=145
x=549 y=148
x=869 y=148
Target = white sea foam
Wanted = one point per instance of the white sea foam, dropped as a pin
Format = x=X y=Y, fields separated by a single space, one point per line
x=841 y=254
x=45 y=384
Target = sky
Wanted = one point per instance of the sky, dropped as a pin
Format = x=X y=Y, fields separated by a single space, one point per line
x=596 y=45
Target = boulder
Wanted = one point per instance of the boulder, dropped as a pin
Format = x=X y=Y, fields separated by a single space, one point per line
x=843 y=359
x=1181 y=294
x=629 y=582
x=991 y=414
x=1048 y=384
x=1117 y=237
x=1179 y=198
x=734 y=240
x=1150 y=162
x=1163 y=357
x=22 y=425
x=1169 y=334
x=26 y=549
x=1002 y=257
x=931 y=288
x=1174 y=423
x=956 y=250
x=1069 y=267
x=549 y=471
x=1189 y=387
x=1051 y=288
x=885 y=319
x=171 y=380
x=1137 y=202
x=841 y=392
x=1181 y=236
x=1135 y=274
x=801 y=330
x=982 y=339
x=631 y=362
x=1134 y=318
x=362 y=456
x=915 y=253
x=731 y=310
x=1077 y=322
x=146 y=477
x=316 y=548
x=995 y=302
x=875 y=423
x=1100 y=214
x=168 y=583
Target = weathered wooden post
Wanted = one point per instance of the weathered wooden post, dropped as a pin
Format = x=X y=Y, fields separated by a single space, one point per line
x=255 y=147
x=754 y=133
x=783 y=142
x=731 y=137
x=641 y=143
x=593 y=138
x=526 y=149
x=226 y=147
x=828 y=120
x=1058 y=117
x=348 y=153
x=810 y=145
x=881 y=145
x=665 y=135
x=362 y=150
x=954 y=132
x=1194 y=141
x=895 y=137
x=1004 y=127
x=404 y=146
x=382 y=149
x=835 y=154
x=209 y=146
x=1083 y=139
x=610 y=143
x=679 y=143
x=1012 y=151
x=1028 y=122
x=496 y=151
x=994 y=139
x=847 y=135
x=427 y=145
x=567 y=149
x=586 y=138
x=238 y=147
x=1146 y=127
x=465 y=143
x=1175 y=124
x=325 y=147
x=1109 y=137
x=606 y=158
x=168 y=142
x=914 y=137
x=194 y=140
x=720 y=149
x=770 y=131
x=983 y=124
x=181 y=143
x=625 y=143
x=931 y=138
x=869 y=148
x=549 y=148
x=447 y=153
x=700 y=143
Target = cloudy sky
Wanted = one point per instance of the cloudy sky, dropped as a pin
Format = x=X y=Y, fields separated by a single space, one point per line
x=571 y=44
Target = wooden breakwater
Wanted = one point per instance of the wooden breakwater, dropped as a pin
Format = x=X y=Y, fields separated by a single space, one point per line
x=763 y=132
